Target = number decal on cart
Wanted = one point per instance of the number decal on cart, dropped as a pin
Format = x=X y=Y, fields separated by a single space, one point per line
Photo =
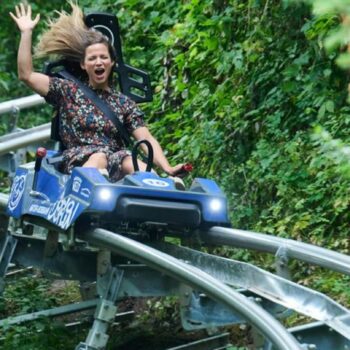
x=63 y=211
x=17 y=191
x=155 y=182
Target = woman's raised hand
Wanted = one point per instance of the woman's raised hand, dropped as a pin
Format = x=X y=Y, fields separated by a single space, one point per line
x=23 y=18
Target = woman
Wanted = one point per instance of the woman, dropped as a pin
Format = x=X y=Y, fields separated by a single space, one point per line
x=90 y=139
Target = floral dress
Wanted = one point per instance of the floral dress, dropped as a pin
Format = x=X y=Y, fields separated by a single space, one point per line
x=84 y=129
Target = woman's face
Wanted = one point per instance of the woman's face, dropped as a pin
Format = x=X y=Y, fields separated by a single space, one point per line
x=98 y=65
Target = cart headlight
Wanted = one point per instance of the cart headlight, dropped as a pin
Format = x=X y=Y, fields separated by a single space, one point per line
x=105 y=194
x=215 y=205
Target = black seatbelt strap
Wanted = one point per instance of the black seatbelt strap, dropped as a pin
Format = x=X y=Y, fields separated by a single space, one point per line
x=100 y=104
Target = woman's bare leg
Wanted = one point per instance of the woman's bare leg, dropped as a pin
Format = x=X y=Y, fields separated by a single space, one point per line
x=96 y=160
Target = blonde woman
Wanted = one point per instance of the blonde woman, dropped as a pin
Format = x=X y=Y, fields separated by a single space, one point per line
x=90 y=139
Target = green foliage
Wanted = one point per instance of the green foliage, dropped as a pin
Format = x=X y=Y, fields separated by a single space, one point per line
x=340 y=36
x=160 y=311
x=39 y=335
x=14 y=301
x=29 y=294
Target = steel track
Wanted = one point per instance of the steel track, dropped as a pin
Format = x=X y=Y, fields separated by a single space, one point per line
x=218 y=291
x=271 y=244
x=267 y=285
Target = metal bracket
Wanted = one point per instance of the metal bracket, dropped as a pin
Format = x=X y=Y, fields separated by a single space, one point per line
x=51 y=243
x=193 y=240
x=109 y=284
x=9 y=162
x=7 y=248
x=88 y=290
x=105 y=311
x=185 y=295
x=103 y=262
x=12 y=125
x=68 y=243
x=281 y=260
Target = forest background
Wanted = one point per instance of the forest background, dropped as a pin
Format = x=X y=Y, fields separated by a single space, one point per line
x=247 y=92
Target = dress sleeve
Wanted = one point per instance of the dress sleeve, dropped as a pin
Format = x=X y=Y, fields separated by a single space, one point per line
x=56 y=91
x=133 y=116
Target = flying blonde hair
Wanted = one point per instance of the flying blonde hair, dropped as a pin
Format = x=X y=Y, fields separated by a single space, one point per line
x=68 y=37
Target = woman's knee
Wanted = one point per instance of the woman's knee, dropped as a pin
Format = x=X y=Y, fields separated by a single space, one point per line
x=98 y=160
x=127 y=166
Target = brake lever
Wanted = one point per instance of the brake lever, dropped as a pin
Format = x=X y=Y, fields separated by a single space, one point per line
x=185 y=170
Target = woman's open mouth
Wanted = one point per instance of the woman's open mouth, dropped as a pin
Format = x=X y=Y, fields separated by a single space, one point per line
x=99 y=72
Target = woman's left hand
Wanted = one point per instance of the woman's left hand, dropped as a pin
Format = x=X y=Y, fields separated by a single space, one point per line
x=174 y=170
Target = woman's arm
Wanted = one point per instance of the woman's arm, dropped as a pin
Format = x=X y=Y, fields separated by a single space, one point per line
x=160 y=160
x=37 y=81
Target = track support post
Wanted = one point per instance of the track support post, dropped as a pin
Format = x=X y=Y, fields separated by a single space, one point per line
x=105 y=311
x=7 y=248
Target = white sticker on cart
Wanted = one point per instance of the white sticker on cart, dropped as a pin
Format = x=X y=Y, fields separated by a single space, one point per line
x=16 y=191
x=85 y=192
x=76 y=184
x=39 y=209
x=62 y=212
x=155 y=182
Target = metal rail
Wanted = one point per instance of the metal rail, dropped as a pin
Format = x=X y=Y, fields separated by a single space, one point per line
x=24 y=138
x=56 y=311
x=267 y=285
x=197 y=279
x=21 y=103
x=271 y=244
